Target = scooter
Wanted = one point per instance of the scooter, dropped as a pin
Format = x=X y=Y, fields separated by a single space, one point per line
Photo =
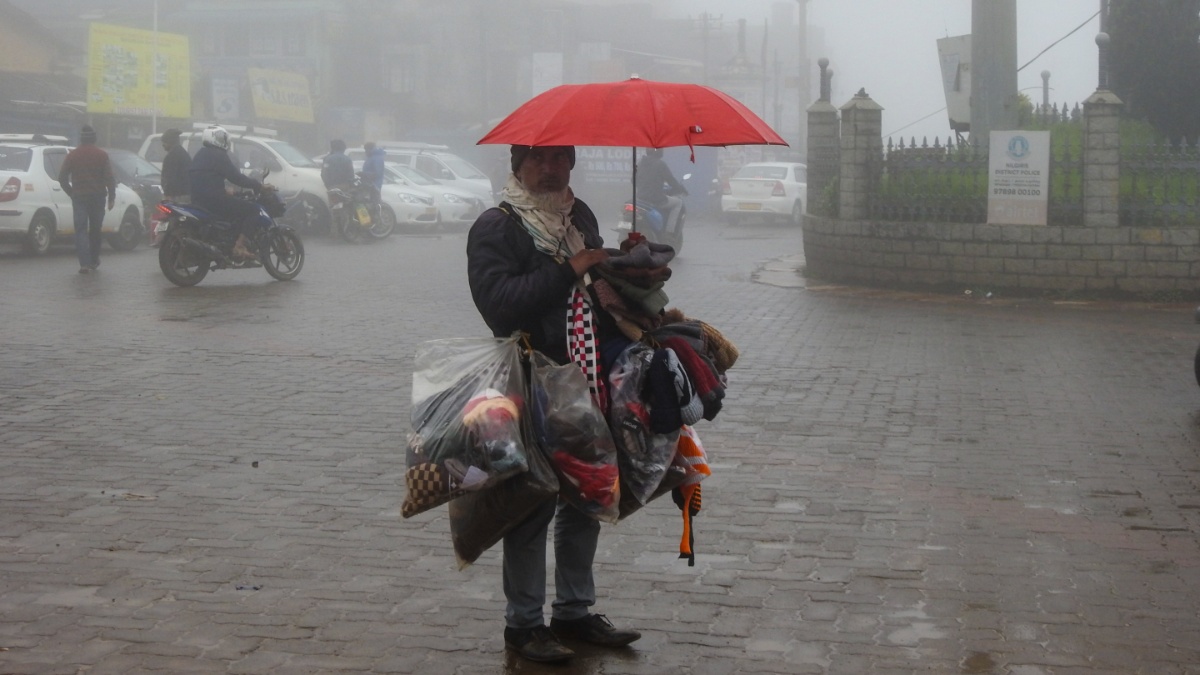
x=356 y=214
x=651 y=221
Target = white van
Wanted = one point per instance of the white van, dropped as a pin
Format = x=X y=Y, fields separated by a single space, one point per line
x=437 y=162
x=257 y=149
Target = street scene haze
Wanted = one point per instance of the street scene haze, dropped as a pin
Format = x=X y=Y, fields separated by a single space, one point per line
x=638 y=337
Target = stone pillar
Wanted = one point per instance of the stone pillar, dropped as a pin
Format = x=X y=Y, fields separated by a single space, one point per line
x=1101 y=159
x=823 y=156
x=862 y=151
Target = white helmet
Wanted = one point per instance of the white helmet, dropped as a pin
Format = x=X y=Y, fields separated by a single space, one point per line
x=216 y=136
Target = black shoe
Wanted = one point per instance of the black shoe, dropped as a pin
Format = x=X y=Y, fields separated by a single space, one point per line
x=536 y=644
x=85 y=270
x=594 y=628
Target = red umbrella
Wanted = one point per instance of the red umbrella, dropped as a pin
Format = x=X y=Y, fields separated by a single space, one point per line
x=635 y=113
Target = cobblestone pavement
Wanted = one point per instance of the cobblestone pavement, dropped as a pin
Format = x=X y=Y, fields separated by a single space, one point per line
x=208 y=480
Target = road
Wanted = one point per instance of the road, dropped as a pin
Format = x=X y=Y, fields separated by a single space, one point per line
x=208 y=480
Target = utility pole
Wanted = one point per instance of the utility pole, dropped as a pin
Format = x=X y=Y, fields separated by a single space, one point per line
x=993 y=67
x=802 y=80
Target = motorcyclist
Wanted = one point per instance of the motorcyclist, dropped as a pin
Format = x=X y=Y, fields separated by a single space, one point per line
x=372 y=171
x=211 y=167
x=337 y=170
x=657 y=185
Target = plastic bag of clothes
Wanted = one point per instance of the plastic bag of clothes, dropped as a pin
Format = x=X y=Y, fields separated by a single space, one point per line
x=572 y=432
x=468 y=398
x=478 y=520
x=643 y=457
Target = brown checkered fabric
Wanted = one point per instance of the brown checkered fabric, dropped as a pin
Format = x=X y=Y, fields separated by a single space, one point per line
x=429 y=485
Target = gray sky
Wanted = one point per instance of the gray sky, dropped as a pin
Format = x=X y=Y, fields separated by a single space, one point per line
x=889 y=48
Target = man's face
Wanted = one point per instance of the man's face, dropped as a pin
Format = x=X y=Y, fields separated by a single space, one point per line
x=546 y=170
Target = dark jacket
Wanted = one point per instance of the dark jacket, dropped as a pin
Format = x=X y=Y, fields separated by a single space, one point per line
x=337 y=169
x=517 y=287
x=175 y=179
x=373 y=168
x=87 y=171
x=653 y=180
x=211 y=167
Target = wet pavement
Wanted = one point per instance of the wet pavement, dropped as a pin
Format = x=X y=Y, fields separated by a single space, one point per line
x=208 y=480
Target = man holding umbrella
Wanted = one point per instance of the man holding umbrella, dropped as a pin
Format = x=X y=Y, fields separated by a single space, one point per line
x=525 y=258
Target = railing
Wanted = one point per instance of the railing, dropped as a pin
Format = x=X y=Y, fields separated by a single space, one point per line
x=948 y=182
x=1160 y=184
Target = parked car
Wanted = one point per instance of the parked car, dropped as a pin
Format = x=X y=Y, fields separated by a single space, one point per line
x=773 y=190
x=411 y=209
x=290 y=171
x=35 y=210
x=454 y=206
x=145 y=178
x=437 y=162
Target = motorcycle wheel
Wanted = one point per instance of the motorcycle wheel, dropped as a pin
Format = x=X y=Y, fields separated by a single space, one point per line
x=384 y=223
x=282 y=253
x=181 y=265
x=1196 y=365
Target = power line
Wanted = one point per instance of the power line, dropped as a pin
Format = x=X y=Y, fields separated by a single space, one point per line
x=1039 y=54
x=916 y=122
x=1035 y=58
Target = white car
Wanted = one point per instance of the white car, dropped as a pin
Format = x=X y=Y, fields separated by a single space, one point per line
x=290 y=171
x=437 y=162
x=454 y=206
x=411 y=209
x=773 y=190
x=35 y=210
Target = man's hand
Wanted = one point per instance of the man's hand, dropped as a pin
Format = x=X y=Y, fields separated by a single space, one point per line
x=582 y=262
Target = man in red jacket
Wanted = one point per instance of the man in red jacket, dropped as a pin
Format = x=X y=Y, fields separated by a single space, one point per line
x=86 y=176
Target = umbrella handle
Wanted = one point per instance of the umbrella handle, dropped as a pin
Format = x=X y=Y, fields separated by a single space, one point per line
x=633 y=226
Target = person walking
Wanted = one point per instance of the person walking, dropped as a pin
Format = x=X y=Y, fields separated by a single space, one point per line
x=87 y=177
x=176 y=184
x=525 y=259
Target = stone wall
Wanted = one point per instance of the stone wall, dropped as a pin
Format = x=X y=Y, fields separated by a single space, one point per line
x=1109 y=261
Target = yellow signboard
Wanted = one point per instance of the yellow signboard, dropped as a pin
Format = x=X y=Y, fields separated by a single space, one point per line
x=280 y=95
x=138 y=72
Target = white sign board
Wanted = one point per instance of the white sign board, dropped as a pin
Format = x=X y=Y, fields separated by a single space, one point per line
x=1018 y=177
x=954 y=53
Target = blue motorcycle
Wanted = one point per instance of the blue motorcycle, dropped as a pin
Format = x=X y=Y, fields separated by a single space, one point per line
x=193 y=242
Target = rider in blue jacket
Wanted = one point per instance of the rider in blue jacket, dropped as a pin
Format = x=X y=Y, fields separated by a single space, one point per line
x=211 y=167
x=372 y=171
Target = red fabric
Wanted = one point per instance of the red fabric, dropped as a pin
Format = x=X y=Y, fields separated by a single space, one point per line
x=633 y=113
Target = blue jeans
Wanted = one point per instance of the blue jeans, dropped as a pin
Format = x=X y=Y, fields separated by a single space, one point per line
x=575 y=537
x=89 y=217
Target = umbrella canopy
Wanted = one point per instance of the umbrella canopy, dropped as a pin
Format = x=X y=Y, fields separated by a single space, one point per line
x=633 y=113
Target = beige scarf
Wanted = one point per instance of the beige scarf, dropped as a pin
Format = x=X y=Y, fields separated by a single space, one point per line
x=547 y=218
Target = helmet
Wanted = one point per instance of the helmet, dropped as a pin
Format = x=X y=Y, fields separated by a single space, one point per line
x=216 y=136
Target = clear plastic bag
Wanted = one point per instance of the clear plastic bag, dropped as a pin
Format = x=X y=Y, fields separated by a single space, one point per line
x=468 y=399
x=572 y=432
x=644 y=457
x=480 y=519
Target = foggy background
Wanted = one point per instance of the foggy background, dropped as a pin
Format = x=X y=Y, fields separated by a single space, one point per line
x=889 y=47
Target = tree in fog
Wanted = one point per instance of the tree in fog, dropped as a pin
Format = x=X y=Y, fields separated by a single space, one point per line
x=1154 y=62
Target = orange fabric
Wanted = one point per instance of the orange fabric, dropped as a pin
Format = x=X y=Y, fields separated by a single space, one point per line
x=689 y=500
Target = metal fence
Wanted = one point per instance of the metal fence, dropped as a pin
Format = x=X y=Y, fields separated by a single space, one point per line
x=1160 y=184
x=947 y=182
